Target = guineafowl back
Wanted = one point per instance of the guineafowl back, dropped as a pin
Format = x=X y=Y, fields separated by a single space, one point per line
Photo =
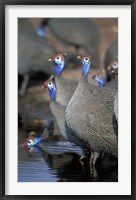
x=65 y=90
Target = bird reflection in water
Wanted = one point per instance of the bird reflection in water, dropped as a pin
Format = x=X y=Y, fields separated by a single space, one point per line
x=68 y=168
x=32 y=150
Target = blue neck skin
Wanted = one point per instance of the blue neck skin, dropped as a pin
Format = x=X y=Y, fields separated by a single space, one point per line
x=59 y=68
x=101 y=82
x=52 y=93
x=86 y=68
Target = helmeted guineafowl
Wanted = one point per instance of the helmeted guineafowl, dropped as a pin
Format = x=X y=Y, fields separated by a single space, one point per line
x=89 y=114
x=58 y=111
x=41 y=30
x=100 y=79
x=65 y=87
x=111 y=56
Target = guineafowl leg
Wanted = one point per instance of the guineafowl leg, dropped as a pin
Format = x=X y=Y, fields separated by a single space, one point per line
x=91 y=158
x=24 y=84
x=94 y=158
x=93 y=171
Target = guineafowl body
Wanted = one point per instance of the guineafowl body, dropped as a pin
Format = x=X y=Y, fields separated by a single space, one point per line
x=58 y=111
x=91 y=121
x=65 y=89
x=113 y=84
x=90 y=115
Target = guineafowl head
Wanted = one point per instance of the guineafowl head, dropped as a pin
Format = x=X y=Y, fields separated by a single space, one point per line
x=51 y=86
x=113 y=67
x=41 y=31
x=100 y=79
x=59 y=61
x=86 y=61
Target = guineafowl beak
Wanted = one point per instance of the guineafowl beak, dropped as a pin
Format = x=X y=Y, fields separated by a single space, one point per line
x=44 y=86
x=109 y=68
x=50 y=59
x=79 y=57
x=115 y=72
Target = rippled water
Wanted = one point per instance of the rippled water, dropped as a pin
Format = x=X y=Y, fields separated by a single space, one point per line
x=59 y=161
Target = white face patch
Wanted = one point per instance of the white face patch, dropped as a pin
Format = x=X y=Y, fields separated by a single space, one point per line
x=96 y=78
x=50 y=85
x=31 y=149
x=115 y=66
x=30 y=143
x=58 y=59
x=86 y=59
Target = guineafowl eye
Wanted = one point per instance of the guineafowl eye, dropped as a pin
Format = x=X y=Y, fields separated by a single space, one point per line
x=30 y=142
x=50 y=85
x=58 y=58
x=86 y=59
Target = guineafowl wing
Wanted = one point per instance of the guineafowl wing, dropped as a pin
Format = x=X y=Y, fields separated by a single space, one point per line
x=104 y=96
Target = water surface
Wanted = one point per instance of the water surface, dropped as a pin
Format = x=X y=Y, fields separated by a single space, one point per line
x=59 y=162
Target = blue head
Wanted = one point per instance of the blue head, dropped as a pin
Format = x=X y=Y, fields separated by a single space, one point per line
x=41 y=31
x=51 y=88
x=100 y=79
x=59 y=62
x=113 y=67
x=86 y=61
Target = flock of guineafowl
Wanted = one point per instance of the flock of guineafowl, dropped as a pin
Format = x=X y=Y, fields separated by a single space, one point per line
x=86 y=113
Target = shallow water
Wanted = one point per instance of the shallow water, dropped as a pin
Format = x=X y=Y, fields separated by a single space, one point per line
x=59 y=161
